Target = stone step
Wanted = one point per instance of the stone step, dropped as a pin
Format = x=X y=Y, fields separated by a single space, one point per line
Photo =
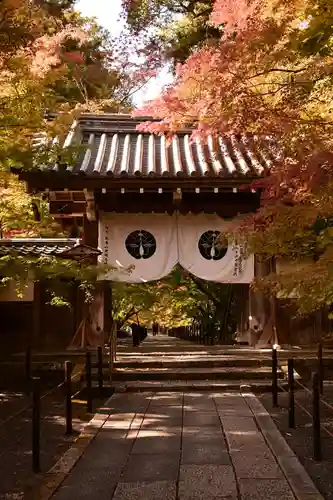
x=231 y=373
x=228 y=361
x=258 y=386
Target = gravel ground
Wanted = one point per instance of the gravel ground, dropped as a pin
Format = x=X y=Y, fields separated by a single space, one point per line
x=15 y=433
x=300 y=439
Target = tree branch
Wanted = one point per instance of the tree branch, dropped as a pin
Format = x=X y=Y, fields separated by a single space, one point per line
x=277 y=70
x=202 y=289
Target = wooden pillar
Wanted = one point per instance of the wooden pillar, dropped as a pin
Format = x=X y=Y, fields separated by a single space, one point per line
x=37 y=315
x=90 y=238
x=107 y=309
x=77 y=304
x=262 y=311
x=243 y=307
x=90 y=232
x=318 y=325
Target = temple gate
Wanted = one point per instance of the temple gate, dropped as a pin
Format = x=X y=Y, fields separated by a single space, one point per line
x=148 y=203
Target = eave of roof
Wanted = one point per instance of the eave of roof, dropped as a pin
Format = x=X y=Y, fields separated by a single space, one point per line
x=118 y=153
x=56 y=181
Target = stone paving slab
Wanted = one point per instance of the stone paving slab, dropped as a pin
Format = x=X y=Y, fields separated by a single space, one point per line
x=194 y=453
x=201 y=419
x=157 y=443
x=162 y=421
x=157 y=490
x=246 y=442
x=187 y=446
x=167 y=399
x=245 y=424
x=86 y=486
x=207 y=482
x=264 y=489
x=170 y=410
x=234 y=412
x=203 y=434
x=255 y=465
x=151 y=467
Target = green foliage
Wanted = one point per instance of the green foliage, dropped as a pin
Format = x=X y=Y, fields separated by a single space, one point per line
x=23 y=214
x=23 y=268
x=176 y=27
x=131 y=299
x=176 y=301
x=55 y=272
x=57 y=301
x=300 y=237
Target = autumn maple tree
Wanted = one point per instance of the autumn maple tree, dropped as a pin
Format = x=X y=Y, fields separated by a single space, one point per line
x=270 y=76
x=54 y=65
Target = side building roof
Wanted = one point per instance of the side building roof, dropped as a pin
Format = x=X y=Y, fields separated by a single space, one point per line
x=68 y=248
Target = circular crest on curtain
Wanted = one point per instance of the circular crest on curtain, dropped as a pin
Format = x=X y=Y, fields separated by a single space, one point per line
x=211 y=247
x=141 y=244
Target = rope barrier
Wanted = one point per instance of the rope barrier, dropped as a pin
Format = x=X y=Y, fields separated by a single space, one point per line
x=305 y=410
x=46 y=394
x=328 y=405
x=51 y=391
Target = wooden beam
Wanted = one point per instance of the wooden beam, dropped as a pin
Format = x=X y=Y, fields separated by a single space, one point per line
x=177 y=196
x=225 y=204
x=67 y=208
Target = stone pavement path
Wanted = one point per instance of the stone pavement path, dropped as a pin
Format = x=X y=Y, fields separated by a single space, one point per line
x=185 y=446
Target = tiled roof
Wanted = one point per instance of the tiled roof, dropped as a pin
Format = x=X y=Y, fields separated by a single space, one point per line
x=40 y=246
x=116 y=148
